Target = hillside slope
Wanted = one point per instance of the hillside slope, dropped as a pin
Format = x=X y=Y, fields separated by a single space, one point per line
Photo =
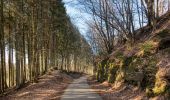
x=146 y=64
x=162 y=23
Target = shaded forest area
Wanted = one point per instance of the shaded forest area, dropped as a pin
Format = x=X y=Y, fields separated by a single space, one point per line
x=130 y=39
x=35 y=36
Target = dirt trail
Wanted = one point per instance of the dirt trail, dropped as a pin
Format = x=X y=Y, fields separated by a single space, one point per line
x=117 y=91
x=80 y=90
x=49 y=87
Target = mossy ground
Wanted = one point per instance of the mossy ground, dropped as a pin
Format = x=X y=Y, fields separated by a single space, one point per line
x=145 y=59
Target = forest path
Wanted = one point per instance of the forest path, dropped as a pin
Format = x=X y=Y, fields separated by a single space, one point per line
x=80 y=90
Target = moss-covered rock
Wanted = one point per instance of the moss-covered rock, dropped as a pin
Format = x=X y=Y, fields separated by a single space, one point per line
x=112 y=72
x=138 y=64
x=150 y=71
x=164 y=44
x=149 y=92
x=162 y=82
x=160 y=86
x=120 y=76
x=147 y=48
x=163 y=34
x=102 y=70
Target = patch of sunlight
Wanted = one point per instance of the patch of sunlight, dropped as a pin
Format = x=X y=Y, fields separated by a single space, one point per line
x=79 y=90
x=24 y=93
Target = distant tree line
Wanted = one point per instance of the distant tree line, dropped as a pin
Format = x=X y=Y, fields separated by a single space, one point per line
x=37 y=35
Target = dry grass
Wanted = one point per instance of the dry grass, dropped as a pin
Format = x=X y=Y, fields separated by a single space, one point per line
x=123 y=92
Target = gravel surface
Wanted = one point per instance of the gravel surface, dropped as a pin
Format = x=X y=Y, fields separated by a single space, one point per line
x=80 y=90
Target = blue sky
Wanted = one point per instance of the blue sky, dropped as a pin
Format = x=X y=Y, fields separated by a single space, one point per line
x=77 y=15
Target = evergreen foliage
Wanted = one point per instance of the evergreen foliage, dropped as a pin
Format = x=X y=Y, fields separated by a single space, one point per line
x=35 y=36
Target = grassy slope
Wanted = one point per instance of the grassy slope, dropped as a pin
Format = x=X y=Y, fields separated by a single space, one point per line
x=145 y=64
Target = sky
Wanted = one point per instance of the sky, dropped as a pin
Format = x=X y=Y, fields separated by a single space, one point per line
x=77 y=15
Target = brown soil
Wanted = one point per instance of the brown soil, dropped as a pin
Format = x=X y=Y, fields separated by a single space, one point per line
x=123 y=92
x=49 y=87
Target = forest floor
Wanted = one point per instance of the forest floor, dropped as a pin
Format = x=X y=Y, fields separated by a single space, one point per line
x=49 y=87
x=109 y=92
